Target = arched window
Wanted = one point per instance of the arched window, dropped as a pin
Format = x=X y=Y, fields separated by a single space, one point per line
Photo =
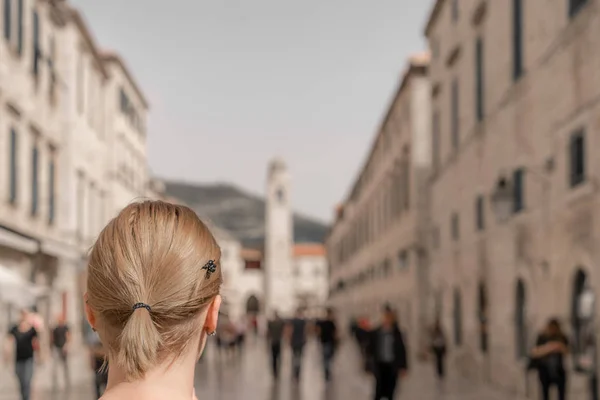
x=457 y=317
x=482 y=317
x=521 y=320
x=578 y=318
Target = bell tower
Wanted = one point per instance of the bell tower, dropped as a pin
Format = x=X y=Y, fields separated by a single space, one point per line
x=279 y=241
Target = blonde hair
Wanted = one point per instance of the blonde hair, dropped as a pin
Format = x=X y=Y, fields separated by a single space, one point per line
x=153 y=253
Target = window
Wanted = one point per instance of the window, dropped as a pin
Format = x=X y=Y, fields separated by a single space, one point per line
x=582 y=300
x=7 y=19
x=521 y=321
x=457 y=309
x=13 y=166
x=518 y=191
x=280 y=195
x=455 y=10
x=575 y=6
x=479 y=78
x=36 y=44
x=80 y=83
x=252 y=264
x=52 y=70
x=435 y=128
x=517 y=39
x=577 y=150
x=102 y=213
x=91 y=197
x=435 y=48
x=480 y=213
x=80 y=204
x=20 y=27
x=455 y=226
x=455 y=115
x=402 y=260
x=482 y=317
x=406 y=179
x=51 y=188
x=35 y=155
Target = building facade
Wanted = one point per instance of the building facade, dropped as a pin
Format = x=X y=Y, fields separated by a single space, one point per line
x=376 y=245
x=514 y=194
x=127 y=109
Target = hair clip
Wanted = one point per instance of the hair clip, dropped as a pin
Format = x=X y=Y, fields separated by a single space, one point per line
x=210 y=268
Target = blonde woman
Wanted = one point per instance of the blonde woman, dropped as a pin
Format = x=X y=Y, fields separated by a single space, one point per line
x=153 y=297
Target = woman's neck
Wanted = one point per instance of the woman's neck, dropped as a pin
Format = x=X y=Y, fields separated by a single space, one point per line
x=171 y=380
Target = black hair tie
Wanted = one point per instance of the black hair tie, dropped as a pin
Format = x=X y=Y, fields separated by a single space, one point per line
x=142 y=305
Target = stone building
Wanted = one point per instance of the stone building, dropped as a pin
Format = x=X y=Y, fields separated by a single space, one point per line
x=59 y=96
x=377 y=244
x=514 y=190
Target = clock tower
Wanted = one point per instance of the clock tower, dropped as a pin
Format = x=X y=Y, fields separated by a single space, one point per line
x=279 y=241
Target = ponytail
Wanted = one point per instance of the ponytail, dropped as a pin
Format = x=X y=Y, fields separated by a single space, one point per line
x=139 y=344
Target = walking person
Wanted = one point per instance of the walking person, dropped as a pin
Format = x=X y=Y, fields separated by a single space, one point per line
x=328 y=335
x=21 y=339
x=388 y=353
x=97 y=358
x=549 y=354
x=297 y=333
x=275 y=329
x=61 y=338
x=438 y=348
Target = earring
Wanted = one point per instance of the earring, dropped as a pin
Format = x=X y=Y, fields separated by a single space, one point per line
x=213 y=333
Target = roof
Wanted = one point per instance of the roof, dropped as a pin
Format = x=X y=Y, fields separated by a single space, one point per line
x=309 y=249
x=251 y=254
x=77 y=17
x=114 y=57
x=416 y=63
x=437 y=7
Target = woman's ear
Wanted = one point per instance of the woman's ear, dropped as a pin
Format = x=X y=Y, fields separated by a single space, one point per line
x=212 y=316
x=91 y=316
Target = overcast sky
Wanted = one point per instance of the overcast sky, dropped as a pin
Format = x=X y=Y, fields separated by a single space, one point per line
x=234 y=83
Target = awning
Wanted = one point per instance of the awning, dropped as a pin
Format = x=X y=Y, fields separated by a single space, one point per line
x=17 y=291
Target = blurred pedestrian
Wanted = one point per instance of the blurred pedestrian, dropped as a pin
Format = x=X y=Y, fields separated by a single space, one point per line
x=438 y=349
x=297 y=333
x=242 y=327
x=549 y=354
x=20 y=340
x=328 y=335
x=275 y=329
x=97 y=359
x=388 y=353
x=61 y=339
x=362 y=337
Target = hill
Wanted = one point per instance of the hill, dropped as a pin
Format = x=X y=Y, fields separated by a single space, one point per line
x=239 y=212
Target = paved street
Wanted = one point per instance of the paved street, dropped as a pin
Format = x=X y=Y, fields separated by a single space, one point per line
x=247 y=377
